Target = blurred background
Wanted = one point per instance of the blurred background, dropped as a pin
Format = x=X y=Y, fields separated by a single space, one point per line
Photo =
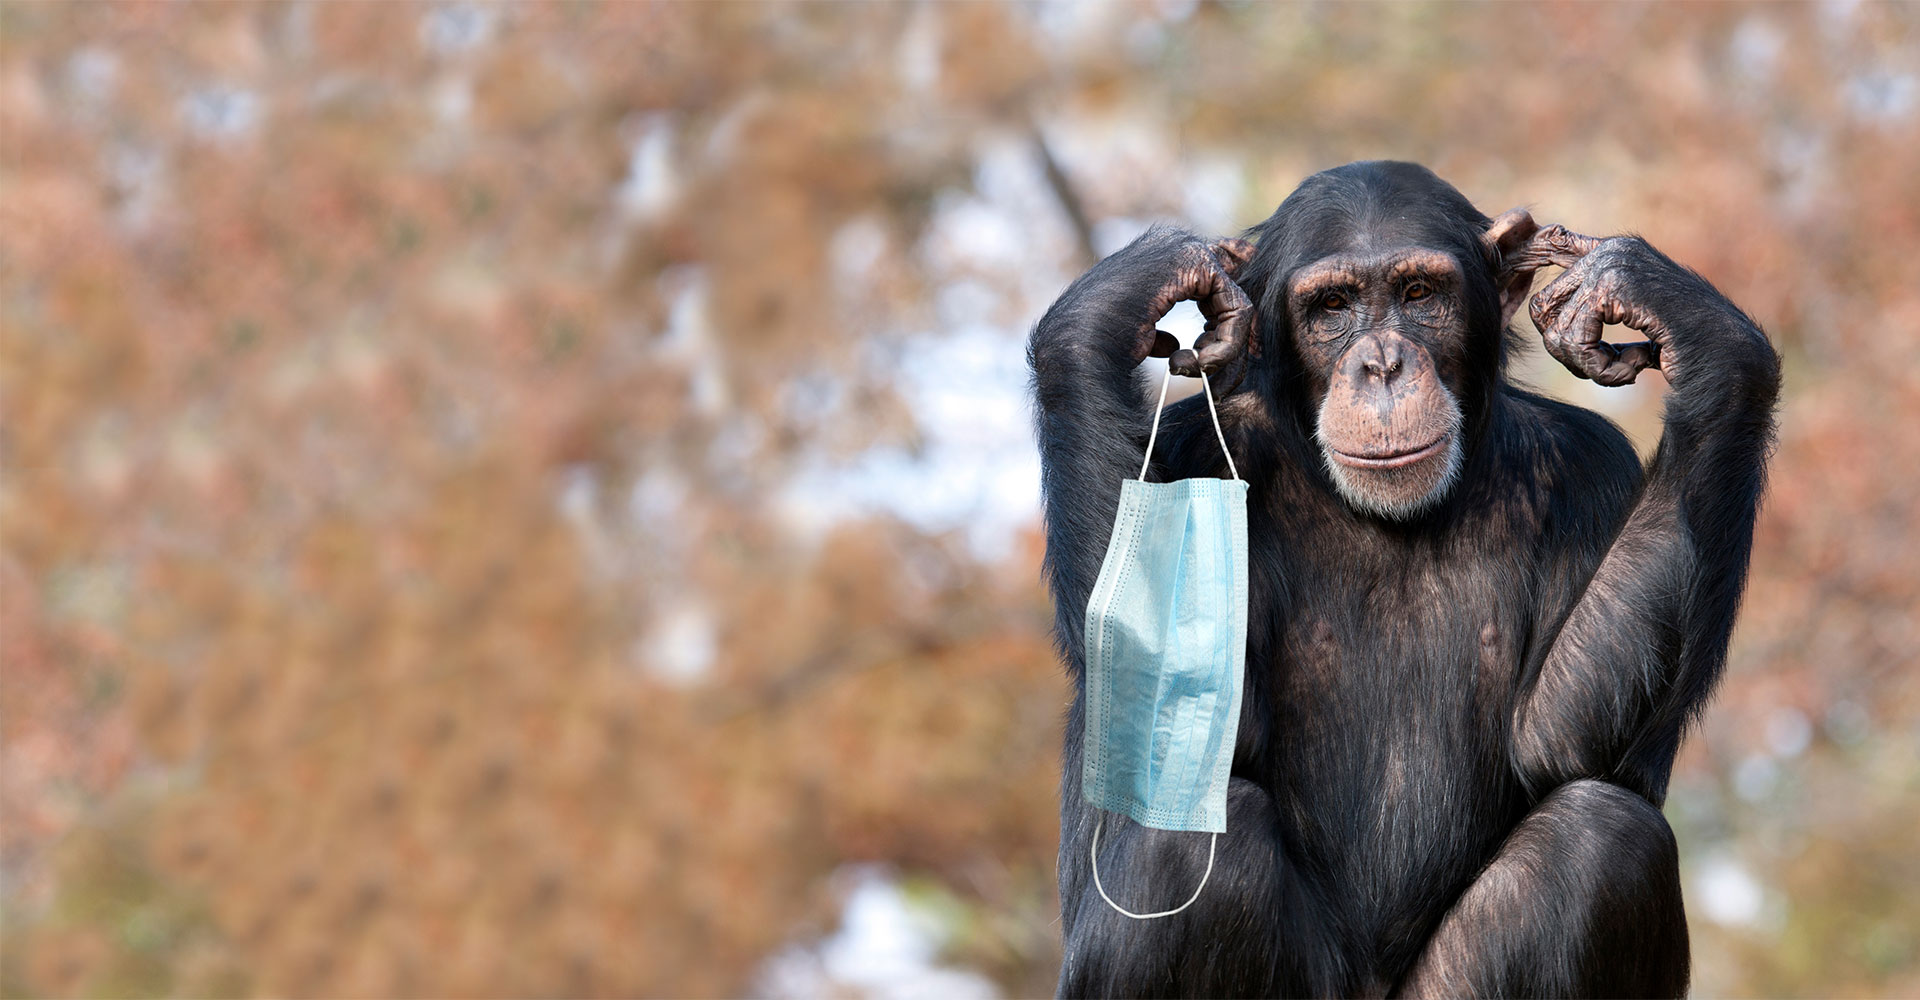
x=510 y=500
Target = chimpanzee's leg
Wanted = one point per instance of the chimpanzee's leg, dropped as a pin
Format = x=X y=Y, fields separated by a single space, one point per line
x=1255 y=930
x=1583 y=900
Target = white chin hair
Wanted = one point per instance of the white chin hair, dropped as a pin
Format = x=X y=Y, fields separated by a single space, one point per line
x=1354 y=489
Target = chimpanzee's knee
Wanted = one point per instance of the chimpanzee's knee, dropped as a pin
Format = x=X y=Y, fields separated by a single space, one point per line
x=1608 y=878
x=1609 y=832
x=1583 y=899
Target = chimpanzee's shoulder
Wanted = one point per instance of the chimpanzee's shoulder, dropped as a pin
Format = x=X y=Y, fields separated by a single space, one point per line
x=1579 y=462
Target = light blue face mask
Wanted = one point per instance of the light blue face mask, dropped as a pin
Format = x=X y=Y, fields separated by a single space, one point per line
x=1166 y=650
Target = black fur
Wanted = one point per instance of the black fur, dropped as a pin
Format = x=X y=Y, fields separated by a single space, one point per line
x=1457 y=730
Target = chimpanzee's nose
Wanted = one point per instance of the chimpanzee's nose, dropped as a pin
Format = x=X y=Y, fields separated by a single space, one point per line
x=1382 y=360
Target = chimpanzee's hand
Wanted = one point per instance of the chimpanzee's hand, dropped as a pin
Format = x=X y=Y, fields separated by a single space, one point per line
x=1188 y=267
x=1225 y=348
x=1605 y=282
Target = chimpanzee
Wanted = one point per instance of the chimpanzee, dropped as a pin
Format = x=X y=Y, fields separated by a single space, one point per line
x=1477 y=629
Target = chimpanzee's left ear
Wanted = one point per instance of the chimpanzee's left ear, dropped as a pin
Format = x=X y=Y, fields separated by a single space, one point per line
x=1505 y=238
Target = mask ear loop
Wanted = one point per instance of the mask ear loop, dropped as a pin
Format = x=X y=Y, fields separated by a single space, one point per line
x=1094 y=853
x=1217 y=432
x=1147 y=459
x=1214 y=412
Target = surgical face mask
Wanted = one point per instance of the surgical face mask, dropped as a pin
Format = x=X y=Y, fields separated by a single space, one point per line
x=1166 y=653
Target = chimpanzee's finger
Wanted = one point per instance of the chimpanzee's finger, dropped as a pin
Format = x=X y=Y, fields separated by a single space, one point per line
x=1232 y=253
x=1220 y=298
x=1563 y=246
x=1627 y=362
x=1164 y=344
x=1229 y=315
x=1225 y=343
x=1547 y=302
x=1622 y=362
x=1549 y=246
x=1237 y=309
x=1220 y=346
x=1224 y=366
x=1210 y=353
x=1573 y=338
x=1226 y=378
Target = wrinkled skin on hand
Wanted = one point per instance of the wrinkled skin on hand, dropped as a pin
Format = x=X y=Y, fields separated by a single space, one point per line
x=1571 y=311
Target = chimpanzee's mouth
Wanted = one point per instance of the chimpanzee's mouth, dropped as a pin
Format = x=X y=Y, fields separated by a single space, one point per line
x=1393 y=460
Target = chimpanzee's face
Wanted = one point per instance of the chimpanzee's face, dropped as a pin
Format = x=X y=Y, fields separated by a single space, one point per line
x=1382 y=332
x=1393 y=292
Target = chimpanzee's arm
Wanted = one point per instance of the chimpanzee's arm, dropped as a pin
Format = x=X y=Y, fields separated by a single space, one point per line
x=1090 y=409
x=1647 y=638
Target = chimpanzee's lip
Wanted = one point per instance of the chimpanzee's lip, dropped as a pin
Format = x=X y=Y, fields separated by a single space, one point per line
x=1391 y=461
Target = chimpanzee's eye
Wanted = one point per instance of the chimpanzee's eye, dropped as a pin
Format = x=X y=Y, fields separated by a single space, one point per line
x=1417 y=291
x=1333 y=300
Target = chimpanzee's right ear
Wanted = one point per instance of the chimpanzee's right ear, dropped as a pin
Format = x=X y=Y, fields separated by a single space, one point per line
x=1505 y=239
